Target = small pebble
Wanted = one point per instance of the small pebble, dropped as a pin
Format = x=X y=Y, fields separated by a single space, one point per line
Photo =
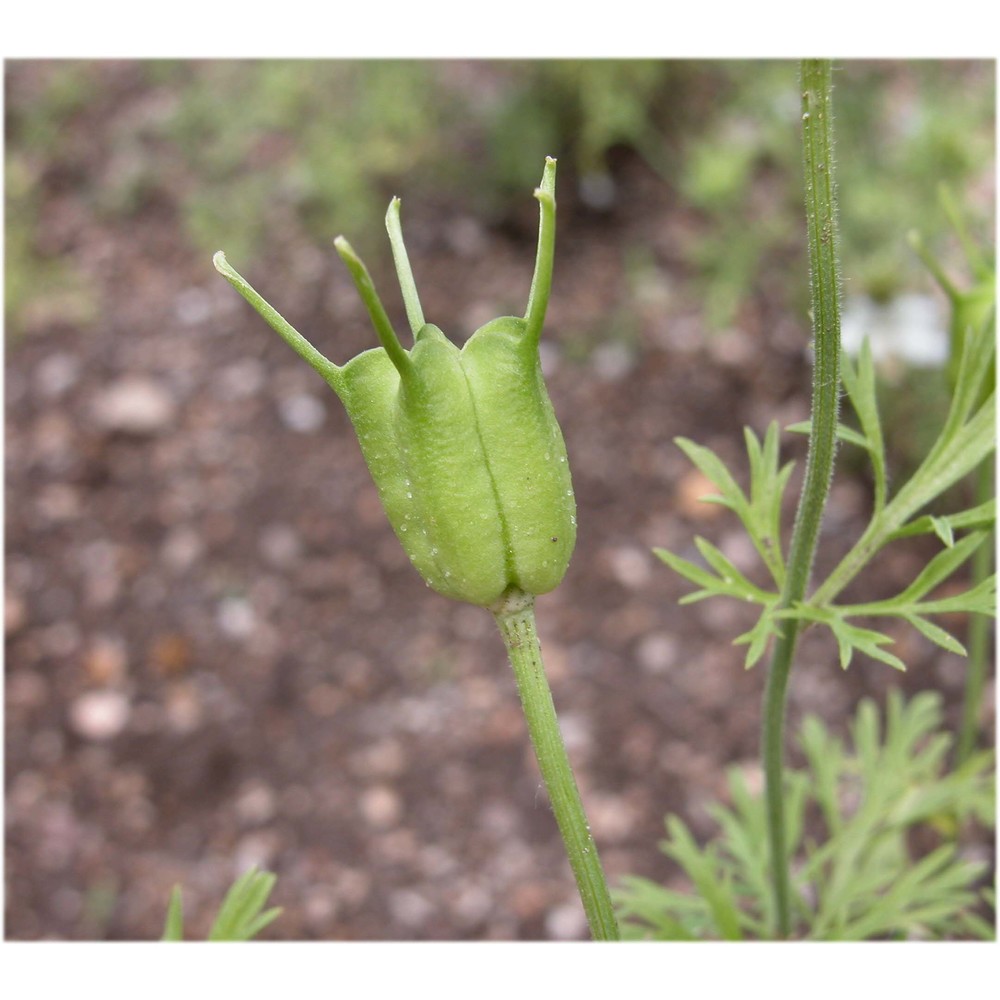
x=528 y=900
x=575 y=732
x=280 y=545
x=256 y=850
x=193 y=306
x=256 y=803
x=381 y=807
x=473 y=905
x=302 y=413
x=105 y=660
x=15 y=612
x=319 y=905
x=612 y=817
x=26 y=690
x=170 y=653
x=184 y=711
x=384 y=758
x=57 y=373
x=241 y=380
x=134 y=405
x=99 y=715
x=61 y=639
x=630 y=566
x=691 y=491
x=53 y=440
x=102 y=580
x=353 y=886
x=657 y=653
x=566 y=923
x=235 y=618
x=59 y=502
x=732 y=347
x=410 y=908
x=182 y=548
x=612 y=362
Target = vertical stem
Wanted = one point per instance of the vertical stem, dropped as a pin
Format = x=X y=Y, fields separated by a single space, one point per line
x=824 y=275
x=773 y=753
x=517 y=625
x=979 y=632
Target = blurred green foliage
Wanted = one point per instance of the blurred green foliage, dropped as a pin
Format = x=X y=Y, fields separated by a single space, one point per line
x=272 y=143
x=906 y=127
x=257 y=155
x=39 y=286
x=579 y=110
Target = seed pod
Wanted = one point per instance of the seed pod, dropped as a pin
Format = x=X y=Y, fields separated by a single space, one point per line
x=463 y=445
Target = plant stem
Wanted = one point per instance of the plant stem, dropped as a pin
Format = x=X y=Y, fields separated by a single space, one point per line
x=773 y=753
x=824 y=273
x=517 y=625
x=979 y=633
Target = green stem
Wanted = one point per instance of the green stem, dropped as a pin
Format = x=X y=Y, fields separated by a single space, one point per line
x=821 y=222
x=541 y=279
x=979 y=633
x=414 y=312
x=326 y=368
x=773 y=753
x=380 y=320
x=516 y=619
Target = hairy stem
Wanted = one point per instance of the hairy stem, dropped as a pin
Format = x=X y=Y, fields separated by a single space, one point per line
x=824 y=273
x=517 y=626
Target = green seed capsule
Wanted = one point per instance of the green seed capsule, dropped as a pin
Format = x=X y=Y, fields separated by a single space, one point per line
x=463 y=445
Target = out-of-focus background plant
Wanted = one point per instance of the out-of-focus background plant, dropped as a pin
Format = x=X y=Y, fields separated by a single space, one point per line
x=259 y=155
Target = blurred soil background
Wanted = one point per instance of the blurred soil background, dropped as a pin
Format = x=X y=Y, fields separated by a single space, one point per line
x=217 y=654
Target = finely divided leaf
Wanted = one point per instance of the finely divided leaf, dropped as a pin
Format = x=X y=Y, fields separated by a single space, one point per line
x=979 y=600
x=729 y=582
x=757 y=638
x=939 y=569
x=844 y=433
x=768 y=481
x=860 y=385
x=712 y=885
x=945 y=525
x=696 y=574
x=738 y=584
x=851 y=637
x=936 y=634
x=761 y=511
